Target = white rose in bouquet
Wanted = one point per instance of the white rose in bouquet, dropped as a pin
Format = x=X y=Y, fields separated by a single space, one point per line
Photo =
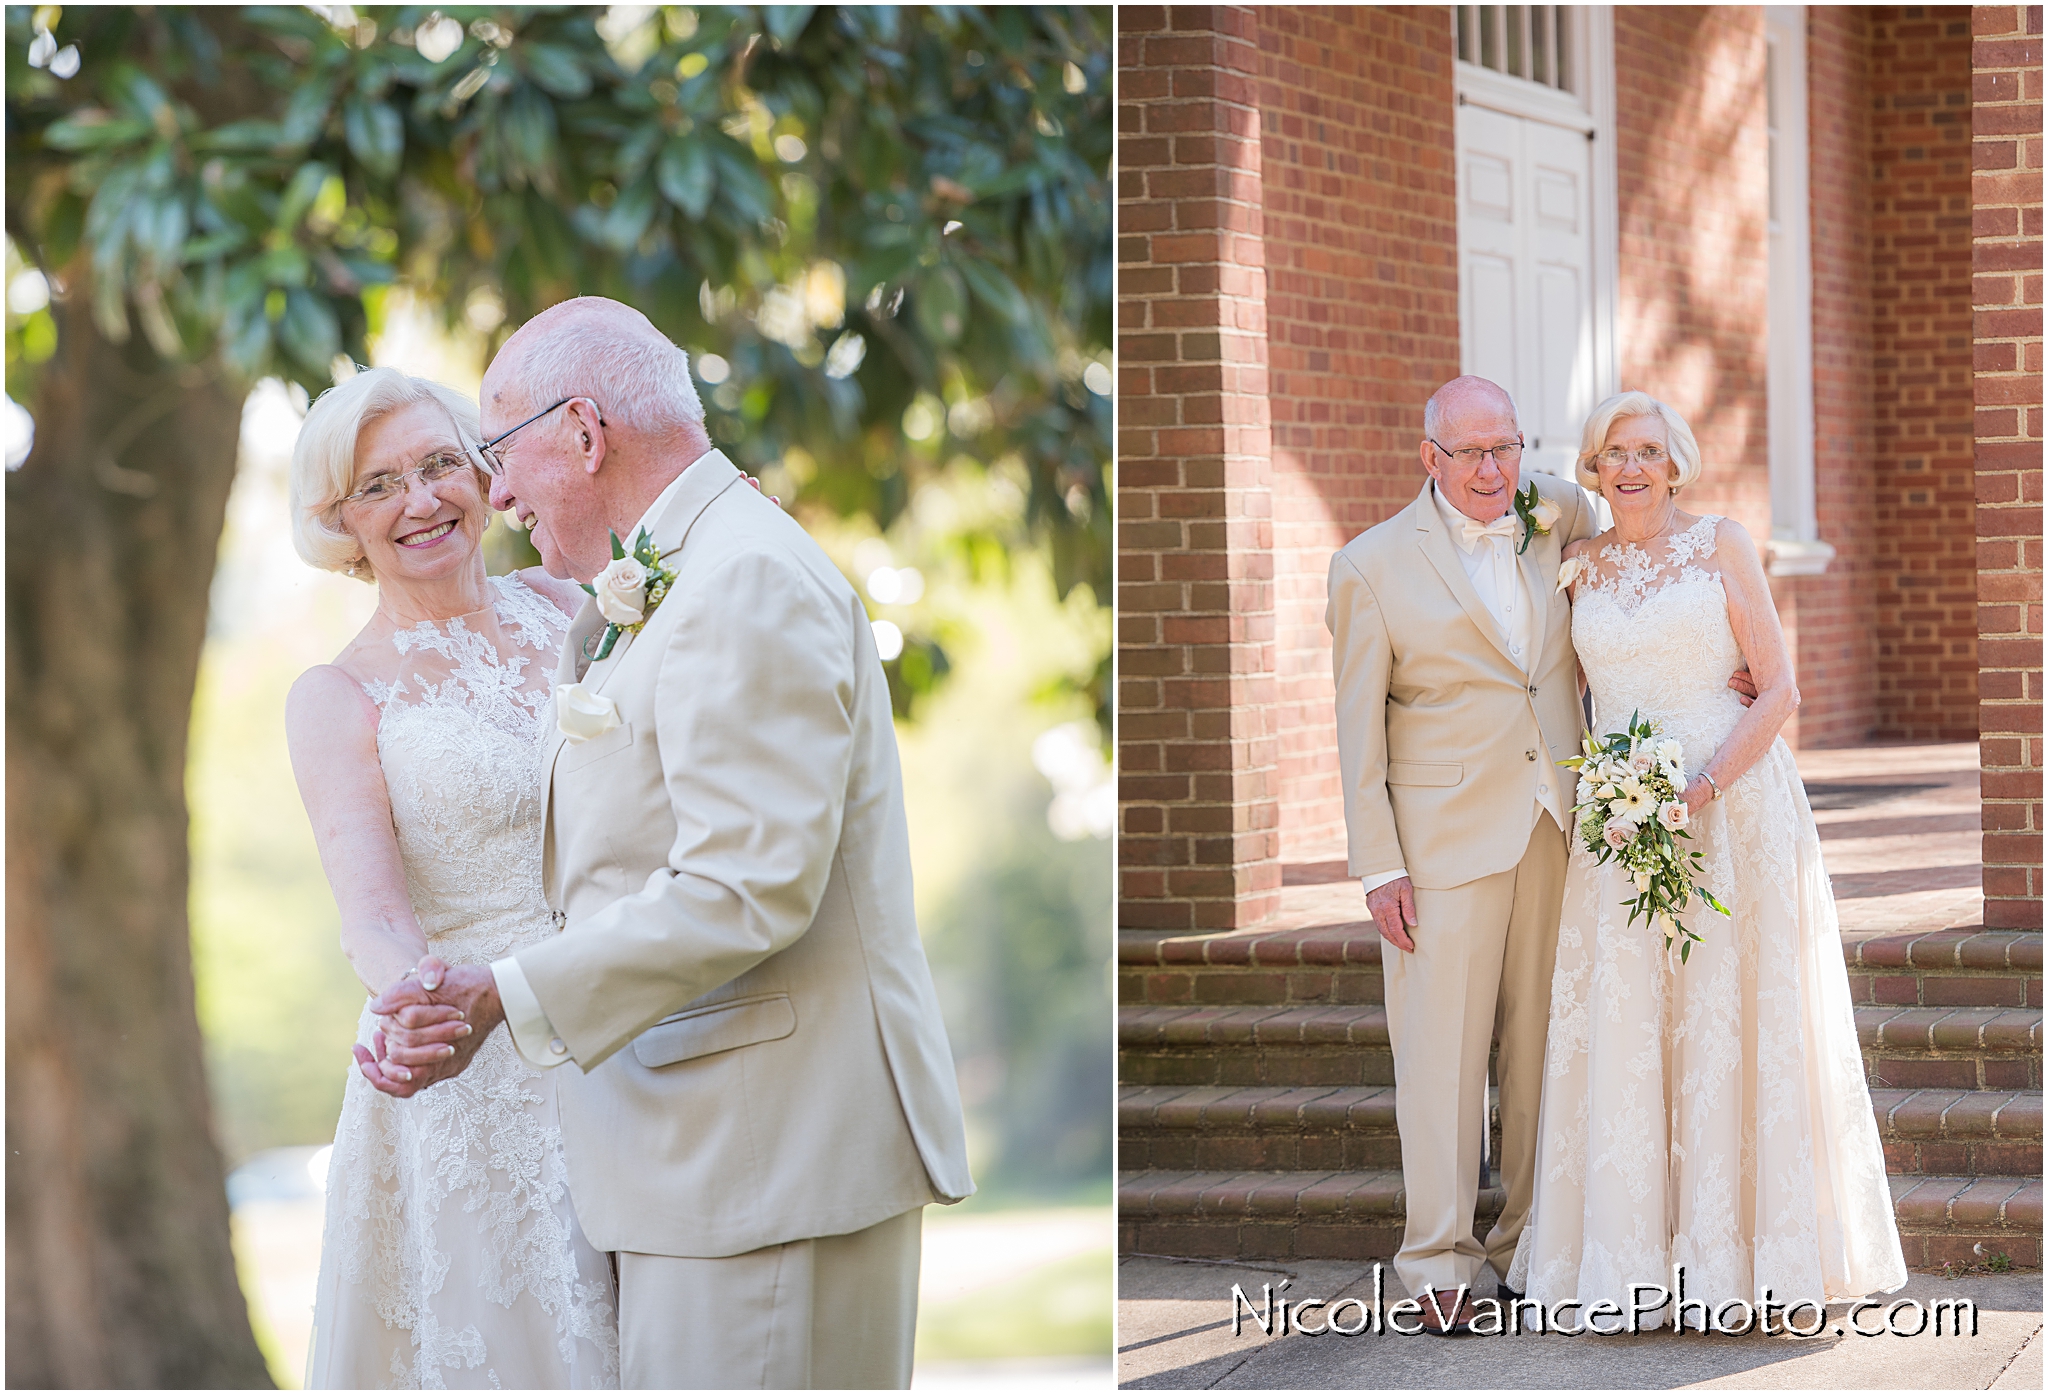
x=1618 y=832
x=1675 y=815
x=1642 y=881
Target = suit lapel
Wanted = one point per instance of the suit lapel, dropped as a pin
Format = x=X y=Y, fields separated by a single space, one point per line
x=1442 y=553
x=1541 y=594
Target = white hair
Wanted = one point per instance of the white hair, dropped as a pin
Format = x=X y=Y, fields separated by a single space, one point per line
x=1432 y=410
x=324 y=460
x=640 y=381
x=1685 y=449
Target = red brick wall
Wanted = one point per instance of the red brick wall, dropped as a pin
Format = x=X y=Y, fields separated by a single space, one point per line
x=1361 y=235
x=1834 y=611
x=1694 y=201
x=1926 y=593
x=2006 y=260
x=1197 y=778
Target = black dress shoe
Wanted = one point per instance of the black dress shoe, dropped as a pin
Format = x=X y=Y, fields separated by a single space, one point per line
x=1506 y=1294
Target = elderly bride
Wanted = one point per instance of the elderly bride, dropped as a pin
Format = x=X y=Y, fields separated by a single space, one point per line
x=1709 y=1113
x=452 y=1255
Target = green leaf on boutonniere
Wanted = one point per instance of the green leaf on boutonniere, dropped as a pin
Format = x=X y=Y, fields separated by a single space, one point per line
x=618 y=548
x=1525 y=509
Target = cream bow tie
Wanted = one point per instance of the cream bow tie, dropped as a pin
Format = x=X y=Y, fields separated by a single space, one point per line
x=1502 y=527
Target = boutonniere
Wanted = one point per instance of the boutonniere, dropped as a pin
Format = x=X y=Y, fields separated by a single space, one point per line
x=1569 y=572
x=1537 y=513
x=628 y=590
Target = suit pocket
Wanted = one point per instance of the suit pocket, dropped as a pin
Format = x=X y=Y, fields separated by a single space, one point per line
x=720 y=1027
x=1424 y=772
x=576 y=754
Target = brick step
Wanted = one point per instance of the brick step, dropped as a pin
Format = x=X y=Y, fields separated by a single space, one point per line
x=1269 y=1215
x=1352 y=1128
x=1340 y=964
x=1311 y=1045
x=1359 y=1215
x=1978 y=1048
x=1964 y=967
x=1939 y=1048
x=1969 y=1133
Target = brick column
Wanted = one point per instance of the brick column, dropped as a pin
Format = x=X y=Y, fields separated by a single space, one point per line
x=1198 y=777
x=2006 y=263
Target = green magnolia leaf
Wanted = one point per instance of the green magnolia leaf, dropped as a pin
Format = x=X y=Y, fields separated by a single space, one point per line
x=376 y=136
x=785 y=22
x=939 y=303
x=556 y=70
x=305 y=187
x=685 y=175
x=94 y=130
x=309 y=332
x=995 y=290
x=629 y=216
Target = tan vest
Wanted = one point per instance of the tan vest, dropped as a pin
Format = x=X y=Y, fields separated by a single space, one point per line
x=1442 y=739
x=740 y=973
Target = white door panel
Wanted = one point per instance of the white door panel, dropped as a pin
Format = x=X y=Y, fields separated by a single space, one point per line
x=1526 y=273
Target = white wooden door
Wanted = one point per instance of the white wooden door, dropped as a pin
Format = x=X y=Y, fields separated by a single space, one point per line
x=1525 y=290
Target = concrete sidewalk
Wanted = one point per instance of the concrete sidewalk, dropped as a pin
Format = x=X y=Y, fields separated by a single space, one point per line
x=1174 y=1319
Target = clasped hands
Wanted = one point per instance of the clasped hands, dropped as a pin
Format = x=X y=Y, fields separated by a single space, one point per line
x=430 y=1024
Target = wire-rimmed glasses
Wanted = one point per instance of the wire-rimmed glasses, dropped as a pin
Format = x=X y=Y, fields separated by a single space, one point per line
x=489 y=449
x=1506 y=453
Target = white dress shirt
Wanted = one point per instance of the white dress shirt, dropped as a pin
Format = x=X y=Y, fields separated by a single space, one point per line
x=531 y=1031
x=1492 y=567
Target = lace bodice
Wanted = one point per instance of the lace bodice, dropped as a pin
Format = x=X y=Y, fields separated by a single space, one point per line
x=464 y=715
x=1651 y=628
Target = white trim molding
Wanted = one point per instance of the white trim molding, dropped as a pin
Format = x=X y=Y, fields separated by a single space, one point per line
x=1795 y=547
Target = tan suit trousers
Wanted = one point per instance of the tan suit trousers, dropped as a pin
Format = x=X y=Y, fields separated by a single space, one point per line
x=835 y=1313
x=1484 y=953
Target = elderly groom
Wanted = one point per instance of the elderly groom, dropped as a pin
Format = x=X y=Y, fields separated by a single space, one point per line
x=759 y=1098
x=1457 y=693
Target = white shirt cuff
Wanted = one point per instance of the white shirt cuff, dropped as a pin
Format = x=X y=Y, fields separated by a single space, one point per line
x=531 y=1031
x=1371 y=884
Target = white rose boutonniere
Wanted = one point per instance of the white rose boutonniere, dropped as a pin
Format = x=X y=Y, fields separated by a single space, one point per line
x=1537 y=513
x=581 y=714
x=621 y=591
x=628 y=590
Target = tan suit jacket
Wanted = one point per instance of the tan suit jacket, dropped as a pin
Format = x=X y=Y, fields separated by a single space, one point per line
x=740 y=977
x=1442 y=739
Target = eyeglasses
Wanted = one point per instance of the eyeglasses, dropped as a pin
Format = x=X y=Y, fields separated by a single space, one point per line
x=1506 y=453
x=435 y=468
x=489 y=449
x=1649 y=456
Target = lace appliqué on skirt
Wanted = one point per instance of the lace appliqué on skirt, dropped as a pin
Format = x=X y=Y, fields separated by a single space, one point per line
x=452 y=1256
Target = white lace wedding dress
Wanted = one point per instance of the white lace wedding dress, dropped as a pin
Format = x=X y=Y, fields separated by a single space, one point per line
x=1712 y=1114
x=452 y=1257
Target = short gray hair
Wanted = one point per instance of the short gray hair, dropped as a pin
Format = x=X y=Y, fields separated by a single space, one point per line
x=324 y=460
x=639 y=381
x=1432 y=411
x=1685 y=448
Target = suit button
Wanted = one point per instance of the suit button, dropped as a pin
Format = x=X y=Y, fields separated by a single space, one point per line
x=1530 y=754
x=558 y=1047
x=1532 y=690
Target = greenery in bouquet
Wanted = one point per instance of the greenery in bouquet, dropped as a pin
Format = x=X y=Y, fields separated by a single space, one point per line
x=1632 y=810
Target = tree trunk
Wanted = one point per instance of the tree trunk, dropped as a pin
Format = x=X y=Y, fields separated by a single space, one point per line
x=119 y=1271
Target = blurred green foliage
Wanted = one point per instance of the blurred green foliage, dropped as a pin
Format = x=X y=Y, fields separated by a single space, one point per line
x=884 y=233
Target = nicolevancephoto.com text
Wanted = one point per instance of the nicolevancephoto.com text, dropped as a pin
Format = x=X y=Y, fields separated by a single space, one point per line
x=1275 y=1315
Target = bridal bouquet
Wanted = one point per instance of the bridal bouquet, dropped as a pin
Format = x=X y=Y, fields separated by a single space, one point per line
x=1631 y=809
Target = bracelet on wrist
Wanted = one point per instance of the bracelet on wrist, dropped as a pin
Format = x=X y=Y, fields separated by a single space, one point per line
x=1712 y=781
